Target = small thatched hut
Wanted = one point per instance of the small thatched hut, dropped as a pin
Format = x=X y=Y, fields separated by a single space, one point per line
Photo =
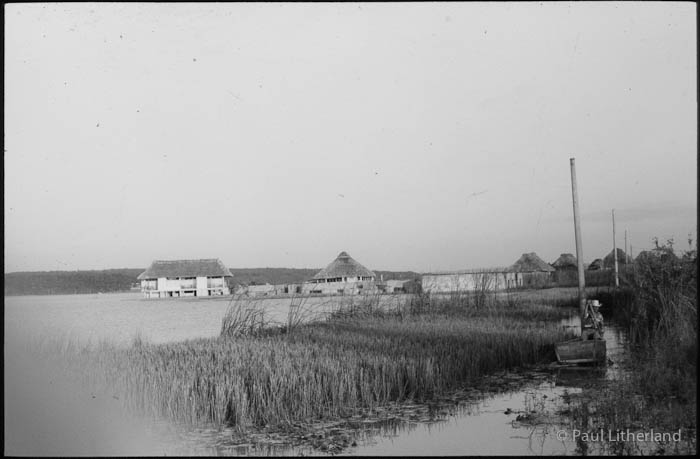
x=565 y=261
x=596 y=265
x=566 y=273
x=622 y=259
x=536 y=273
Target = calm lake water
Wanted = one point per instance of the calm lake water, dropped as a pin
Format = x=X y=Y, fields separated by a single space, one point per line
x=48 y=414
x=119 y=317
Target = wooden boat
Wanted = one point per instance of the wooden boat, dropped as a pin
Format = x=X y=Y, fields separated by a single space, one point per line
x=581 y=351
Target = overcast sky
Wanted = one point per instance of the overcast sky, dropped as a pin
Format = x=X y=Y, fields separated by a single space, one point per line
x=418 y=136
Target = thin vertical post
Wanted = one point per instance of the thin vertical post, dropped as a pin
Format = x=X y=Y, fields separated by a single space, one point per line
x=627 y=256
x=631 y=249
x=579 y=248
x=617 y=275
x=634 y=269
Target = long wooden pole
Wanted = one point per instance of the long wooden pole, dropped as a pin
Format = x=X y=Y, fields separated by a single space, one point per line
x=579 y=248
x=632 y=257
x=617 y=275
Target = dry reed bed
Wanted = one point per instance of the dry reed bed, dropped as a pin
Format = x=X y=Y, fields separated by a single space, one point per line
x=322 y=370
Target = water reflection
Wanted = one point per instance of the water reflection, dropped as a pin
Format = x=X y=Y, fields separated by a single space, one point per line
x=509 y=424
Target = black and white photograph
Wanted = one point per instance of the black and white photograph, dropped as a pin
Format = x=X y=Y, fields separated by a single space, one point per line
x=350 y=228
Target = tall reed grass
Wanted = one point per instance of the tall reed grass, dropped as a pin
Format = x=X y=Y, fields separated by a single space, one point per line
x=323 y=369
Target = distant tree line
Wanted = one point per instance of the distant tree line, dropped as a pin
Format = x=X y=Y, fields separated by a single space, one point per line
x=67 y=282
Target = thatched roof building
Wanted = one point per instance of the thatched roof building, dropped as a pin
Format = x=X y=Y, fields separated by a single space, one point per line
x=343 y=269
x=565 y=261
x=596 y=265
x=530 y=263
x=185 y=268
x=622 y=259
x=175 y=278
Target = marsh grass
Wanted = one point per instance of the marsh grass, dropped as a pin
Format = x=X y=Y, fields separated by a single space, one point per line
x=659 y=309
x=622 y=407
x=300 y=312
x=365 y=354
x=244 y=316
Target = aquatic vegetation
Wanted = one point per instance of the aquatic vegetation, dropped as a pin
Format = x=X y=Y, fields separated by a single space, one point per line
x=362 y=357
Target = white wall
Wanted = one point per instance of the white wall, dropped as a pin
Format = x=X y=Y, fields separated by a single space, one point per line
x=202 y=286
x=463 y=282
x=172 y=285
x=216 y=282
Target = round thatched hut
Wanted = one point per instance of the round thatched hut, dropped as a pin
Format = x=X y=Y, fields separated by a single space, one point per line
x=566 y=261
x=343 y=275
x=596 y=265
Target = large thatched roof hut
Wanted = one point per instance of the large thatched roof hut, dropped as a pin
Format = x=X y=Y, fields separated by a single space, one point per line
x=175 y=278
x=212 y=267
x=343 y=276
x=343 y=269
